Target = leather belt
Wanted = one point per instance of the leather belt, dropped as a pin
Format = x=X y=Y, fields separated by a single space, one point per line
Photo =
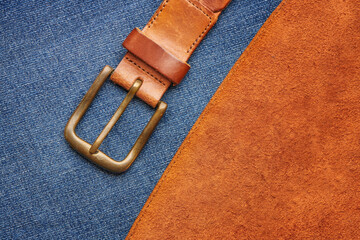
x=156 y=59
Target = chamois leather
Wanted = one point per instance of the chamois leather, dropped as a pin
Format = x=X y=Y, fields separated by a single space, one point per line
x=276 y=152
x=178 y=26
x=155 y=56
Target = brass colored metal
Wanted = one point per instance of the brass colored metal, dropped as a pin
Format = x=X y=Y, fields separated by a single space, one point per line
x=135 y=87
x=91 y=151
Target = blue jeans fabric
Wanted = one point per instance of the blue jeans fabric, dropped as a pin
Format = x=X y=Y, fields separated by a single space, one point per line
x=51 y=51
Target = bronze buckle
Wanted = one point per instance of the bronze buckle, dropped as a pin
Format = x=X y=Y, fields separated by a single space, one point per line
x=91 y=151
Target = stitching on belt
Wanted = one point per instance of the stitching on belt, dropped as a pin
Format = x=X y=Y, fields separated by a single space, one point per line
x=133 y=62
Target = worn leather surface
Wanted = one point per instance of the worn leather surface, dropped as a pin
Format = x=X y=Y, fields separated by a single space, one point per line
x=276 y=153
x=215 y=5
x=178 y=26
x=155 y=56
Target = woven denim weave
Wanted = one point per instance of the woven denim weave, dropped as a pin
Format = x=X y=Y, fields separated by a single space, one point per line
x=51 y=51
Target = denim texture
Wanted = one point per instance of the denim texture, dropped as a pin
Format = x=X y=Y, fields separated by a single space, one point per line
x=51 y=51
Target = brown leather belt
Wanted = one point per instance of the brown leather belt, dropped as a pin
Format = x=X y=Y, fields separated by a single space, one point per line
x=155 y=60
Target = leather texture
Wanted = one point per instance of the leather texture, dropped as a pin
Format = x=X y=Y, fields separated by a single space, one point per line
x=51 y=52
x=155 y=56
x=215 y=5
x=178 y=26
x=276 y=153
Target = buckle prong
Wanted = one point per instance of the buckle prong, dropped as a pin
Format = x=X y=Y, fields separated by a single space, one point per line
x=129 y=96
x=91 y=151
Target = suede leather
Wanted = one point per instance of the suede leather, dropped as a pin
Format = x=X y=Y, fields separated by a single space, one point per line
x=178 y=26
x=276 y=153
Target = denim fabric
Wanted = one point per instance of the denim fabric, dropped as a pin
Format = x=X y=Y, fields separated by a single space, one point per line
x=51 y=51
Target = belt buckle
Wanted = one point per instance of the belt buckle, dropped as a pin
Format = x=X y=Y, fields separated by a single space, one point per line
x=91 y=151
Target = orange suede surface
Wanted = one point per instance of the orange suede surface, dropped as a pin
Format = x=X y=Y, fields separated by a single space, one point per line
x=276 y=153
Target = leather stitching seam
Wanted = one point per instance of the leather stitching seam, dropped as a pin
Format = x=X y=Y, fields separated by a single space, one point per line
x=198 y=122
x=199 y=9
x=157 y=15
x=145 y=70
x=196 y=40
x=203 y=32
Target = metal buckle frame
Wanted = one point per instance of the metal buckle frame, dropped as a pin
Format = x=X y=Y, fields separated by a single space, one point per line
x=91 y=151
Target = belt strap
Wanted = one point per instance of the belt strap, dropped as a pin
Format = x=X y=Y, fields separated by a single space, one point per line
x=157 y=55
